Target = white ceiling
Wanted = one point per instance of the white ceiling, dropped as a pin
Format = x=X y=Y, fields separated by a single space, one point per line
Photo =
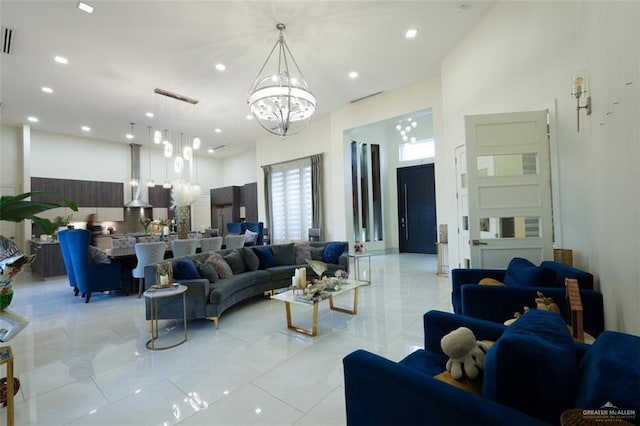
x=125 y=49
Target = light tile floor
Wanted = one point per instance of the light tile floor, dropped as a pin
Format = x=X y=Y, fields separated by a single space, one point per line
x=86 y=364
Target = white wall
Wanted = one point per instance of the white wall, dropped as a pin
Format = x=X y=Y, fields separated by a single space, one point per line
x=521 y=57
x=240 y=169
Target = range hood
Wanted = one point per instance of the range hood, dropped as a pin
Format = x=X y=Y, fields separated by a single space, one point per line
x=135 y=175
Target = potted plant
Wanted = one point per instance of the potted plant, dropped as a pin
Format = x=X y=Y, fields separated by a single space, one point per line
x=16 y=208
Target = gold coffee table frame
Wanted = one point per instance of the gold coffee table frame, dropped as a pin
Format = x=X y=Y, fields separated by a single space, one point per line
x=154 y=295
x=289 y=298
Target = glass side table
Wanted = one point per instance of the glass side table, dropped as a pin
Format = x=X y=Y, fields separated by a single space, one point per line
x=357 y=257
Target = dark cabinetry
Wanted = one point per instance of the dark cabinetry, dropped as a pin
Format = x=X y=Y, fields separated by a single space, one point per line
x=226 y=204
x=84 y=193
x=159 y=196
x=48 y=261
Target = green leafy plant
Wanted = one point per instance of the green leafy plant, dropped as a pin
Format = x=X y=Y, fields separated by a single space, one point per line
x=16 y=208
x=59 y=221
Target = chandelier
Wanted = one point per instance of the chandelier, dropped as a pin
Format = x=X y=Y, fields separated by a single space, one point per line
x=279 y=97
x=176 y=130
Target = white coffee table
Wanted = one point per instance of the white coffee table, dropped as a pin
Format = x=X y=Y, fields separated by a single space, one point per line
x=153 y=295
x=289 y=298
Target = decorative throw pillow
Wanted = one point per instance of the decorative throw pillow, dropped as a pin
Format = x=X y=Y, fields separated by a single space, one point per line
x=234 y=259
x=490 y=281
x=185 y=269
x=284 y=254
x=302 y=252
x=250 y=237
x=332 y=252
x=265 y=256
x=220 y=265
x=251 y=261
x=316 y=253
x=207 y=271
x=98 y=256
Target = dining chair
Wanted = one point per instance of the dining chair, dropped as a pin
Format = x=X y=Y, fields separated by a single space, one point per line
x=147 y=254
x=210 y=244
x=234 y=241
x=314 y=234
x=184 y=247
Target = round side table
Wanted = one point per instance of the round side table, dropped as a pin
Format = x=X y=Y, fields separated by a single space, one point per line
x=153 y=295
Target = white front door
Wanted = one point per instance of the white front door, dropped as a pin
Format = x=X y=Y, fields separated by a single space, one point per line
x=509 y=188
x=462 y=201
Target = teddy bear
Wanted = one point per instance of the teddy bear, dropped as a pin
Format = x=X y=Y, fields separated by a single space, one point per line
x=466 y=354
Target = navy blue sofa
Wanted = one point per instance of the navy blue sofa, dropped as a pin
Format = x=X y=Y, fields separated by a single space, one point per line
x=533 y=373
x=522 y=281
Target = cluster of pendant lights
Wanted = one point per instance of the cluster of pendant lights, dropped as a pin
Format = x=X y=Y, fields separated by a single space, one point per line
x=405 y=128
x=185 y=143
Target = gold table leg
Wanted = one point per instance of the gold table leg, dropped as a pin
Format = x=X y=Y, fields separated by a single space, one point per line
x=314 y=321
x=343 y=310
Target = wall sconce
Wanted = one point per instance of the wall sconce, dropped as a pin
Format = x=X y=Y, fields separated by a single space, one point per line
x=580 y=88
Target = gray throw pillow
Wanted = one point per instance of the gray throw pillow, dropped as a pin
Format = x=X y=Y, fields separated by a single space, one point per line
x=316 y=253
x=207 y=271
x=220 y=265
x=303 y=252
x=251 y=261
x=234 y=259
x=284 y=254
x=98 y=256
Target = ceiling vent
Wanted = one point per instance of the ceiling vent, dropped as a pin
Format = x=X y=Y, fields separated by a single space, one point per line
x=7 y=40
x=366 y=97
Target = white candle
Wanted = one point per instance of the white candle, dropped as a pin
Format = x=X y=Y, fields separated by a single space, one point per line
x=164 y=280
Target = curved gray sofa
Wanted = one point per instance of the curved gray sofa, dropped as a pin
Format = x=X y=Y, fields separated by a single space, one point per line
x=207 y=300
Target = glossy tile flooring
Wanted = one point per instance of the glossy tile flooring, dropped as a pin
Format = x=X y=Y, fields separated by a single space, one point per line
x=86 y=364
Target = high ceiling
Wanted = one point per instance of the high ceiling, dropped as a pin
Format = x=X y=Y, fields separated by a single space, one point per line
x=125 y=49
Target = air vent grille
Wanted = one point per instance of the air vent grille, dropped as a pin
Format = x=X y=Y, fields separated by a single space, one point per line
x=7 y=40
x=366 y=97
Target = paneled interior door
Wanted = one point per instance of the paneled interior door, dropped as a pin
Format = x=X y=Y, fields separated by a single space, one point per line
x=509 y=188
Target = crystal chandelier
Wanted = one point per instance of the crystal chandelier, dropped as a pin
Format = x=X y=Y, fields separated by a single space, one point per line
x=279 y=97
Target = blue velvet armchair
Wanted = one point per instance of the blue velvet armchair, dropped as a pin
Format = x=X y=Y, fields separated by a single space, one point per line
x=66 y=257
x=241 y=228
x=89 y=276
x=522 y=281
x=533 y=373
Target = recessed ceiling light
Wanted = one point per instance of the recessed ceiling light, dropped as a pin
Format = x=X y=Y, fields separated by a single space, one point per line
x=47 y=89
x=128 y=136
x=217 y=130
x=249 y=117
x=210 y=150
x=411 y=33
x=85 y=7
x=149 y=114
x=221 y=67
x=85 y=128
x=353 y=74
x=33 y=119
x=61 y=60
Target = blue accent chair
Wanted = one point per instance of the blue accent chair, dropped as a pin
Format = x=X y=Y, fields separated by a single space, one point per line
x=522 y=281
x=240 y=228
x=533 y=373
x=92 y=277
x=66 y=257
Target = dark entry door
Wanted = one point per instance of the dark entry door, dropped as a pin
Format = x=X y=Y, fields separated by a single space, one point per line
x=417 y=209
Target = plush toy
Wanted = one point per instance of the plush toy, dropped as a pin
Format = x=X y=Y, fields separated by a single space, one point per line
x=466 y=354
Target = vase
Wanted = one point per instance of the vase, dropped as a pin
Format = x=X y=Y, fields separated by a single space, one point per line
x=183 y=221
